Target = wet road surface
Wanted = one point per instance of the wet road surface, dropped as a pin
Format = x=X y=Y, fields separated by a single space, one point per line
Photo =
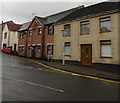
x=23 y=80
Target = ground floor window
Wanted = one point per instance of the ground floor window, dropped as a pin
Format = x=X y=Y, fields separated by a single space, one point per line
x=105 y=48
x=50 y=49
x=67 y=48
x=29 y=48
x=39 y=48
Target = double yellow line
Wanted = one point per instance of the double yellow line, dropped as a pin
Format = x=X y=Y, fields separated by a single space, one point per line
x=97 y=78
x=91 y=77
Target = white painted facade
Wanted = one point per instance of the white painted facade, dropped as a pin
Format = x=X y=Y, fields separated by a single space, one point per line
x=11 y=39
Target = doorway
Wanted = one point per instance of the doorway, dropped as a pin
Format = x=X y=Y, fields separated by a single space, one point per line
x=86 y=54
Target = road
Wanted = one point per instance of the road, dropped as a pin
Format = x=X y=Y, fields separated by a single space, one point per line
x=23 y=80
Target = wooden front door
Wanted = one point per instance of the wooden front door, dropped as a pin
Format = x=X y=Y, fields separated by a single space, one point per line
x=33 y=51
x=86 y=54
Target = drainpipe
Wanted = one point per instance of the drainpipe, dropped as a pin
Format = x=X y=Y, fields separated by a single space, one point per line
x=26 y=44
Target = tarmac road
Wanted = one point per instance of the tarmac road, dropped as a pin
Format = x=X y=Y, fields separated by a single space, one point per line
x=23 y=80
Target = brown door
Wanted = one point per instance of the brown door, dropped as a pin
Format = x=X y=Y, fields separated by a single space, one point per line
x=86 y=54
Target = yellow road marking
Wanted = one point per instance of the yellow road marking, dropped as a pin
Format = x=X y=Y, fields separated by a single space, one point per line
x=74 y=73
x=97 y=78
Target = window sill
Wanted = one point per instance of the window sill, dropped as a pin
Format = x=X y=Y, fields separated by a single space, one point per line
x=68 y=55
x=85 y=34
x=105 y=57
x=67 y=35
x=105 y=31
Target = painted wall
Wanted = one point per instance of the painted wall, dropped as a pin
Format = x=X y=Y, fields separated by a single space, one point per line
x=5 y=40
x=93 y=38
x=119 y=38
x=12 y=37
x=0 y=35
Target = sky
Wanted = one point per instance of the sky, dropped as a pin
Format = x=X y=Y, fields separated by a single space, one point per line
x=21 y=11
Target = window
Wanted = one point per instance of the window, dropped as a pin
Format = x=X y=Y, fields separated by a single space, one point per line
x=85 y=27
x=40 y=30
x=29 y=48
x=105 y=24
x=38 y=48
x=50 y=29
x=22 y=49
x=19 y=49
x=67 y=30
x=5 y=35
x=106 y=48
x=50 y=49
x=30 y=32
x=67 y=49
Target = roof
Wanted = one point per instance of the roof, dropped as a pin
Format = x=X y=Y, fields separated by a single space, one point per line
x=55 y=17
x=92 y=11
x=40 y=19
x=25 y=26
x=12 y=26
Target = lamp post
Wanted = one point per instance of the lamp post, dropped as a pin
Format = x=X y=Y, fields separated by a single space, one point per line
x=63 y=58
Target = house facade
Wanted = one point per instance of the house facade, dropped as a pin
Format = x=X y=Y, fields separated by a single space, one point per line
x=49 y=31
x=23 y=38
x=90 y=35
x=10 y=35
x=35 y=38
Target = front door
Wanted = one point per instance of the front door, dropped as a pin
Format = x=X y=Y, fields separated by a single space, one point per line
x=15 y=47
x=33 y=51
x=86 y=54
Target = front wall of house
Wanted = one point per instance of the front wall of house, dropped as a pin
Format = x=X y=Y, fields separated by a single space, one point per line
x=0 y=34
x=5 y=40
x=22 y=42
x=35 y=39
x=48 y=40
x=119 y=38
x=73 y=39
x=13 y=39
x=93 y=38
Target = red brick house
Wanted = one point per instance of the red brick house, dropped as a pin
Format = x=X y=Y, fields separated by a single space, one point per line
x=35 y=38
x=22 y=39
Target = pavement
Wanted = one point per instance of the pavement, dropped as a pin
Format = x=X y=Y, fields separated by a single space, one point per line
x=84 y=70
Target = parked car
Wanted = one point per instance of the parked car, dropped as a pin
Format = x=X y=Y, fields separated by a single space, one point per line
x=7 y=50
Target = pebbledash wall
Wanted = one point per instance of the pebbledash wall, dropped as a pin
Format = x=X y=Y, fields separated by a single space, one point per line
x=93 y=38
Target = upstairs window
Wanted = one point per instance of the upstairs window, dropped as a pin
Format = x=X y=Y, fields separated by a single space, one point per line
x=30 y=32
x=106 y=48
x=85 y=27
x=50 y=29
x=66 y=29
x=40 y=30
x=105 y=24
x=5 y=35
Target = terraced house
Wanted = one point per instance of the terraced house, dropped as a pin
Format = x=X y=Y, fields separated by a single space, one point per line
x=35 y=38
x=91 y=35
x=23 y=38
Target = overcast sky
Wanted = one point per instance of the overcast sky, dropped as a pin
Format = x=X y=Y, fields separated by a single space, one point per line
x=21 y=11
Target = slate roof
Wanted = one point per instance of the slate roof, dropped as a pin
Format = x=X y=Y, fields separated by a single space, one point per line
x=25 y=26
x=92 y=11
x=55 y=17
x=42 y=20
